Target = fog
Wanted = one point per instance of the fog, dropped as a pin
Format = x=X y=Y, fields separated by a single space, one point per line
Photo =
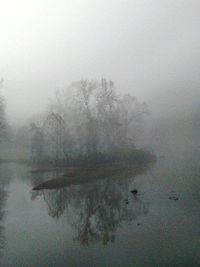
x=99 y=133
x=148 y=48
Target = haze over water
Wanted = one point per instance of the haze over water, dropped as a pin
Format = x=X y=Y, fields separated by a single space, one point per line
x=90 y=91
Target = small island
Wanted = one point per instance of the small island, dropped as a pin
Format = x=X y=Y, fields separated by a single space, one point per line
x=126 y=165
x=88 y=131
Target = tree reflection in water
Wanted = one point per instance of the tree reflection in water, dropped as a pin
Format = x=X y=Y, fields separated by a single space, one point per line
x=5 y=174
x=95 y=210
x=2 y=216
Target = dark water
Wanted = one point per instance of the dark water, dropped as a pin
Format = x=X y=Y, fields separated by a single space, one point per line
x=102 y=223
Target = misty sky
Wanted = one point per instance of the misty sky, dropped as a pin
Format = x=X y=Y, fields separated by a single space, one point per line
x=147 y=47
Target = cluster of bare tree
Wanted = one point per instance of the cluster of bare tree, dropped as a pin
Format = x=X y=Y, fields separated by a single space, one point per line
x=90 y=118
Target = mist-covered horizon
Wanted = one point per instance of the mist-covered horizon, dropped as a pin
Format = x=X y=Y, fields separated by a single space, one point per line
x=148 y=48
x=99 y=133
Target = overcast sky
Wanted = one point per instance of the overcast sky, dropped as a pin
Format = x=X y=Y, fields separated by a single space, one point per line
x=147 y=47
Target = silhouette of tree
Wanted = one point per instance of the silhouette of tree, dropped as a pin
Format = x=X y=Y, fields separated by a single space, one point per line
x=37 y=143
x=2 y=114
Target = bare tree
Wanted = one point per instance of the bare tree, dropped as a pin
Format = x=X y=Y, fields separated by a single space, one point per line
x=86 y=94
x=2 y=114
x=57 y=134
x=37 y=143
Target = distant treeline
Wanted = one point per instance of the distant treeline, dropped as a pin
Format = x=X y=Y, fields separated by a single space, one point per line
x=89 y=123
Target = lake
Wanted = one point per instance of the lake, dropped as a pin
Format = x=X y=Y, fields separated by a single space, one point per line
x=102 y=223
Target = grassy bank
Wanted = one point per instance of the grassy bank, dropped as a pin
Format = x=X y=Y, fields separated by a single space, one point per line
x=95 y=160
x=127 y=164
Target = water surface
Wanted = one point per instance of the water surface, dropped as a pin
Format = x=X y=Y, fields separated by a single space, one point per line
x=101 y=223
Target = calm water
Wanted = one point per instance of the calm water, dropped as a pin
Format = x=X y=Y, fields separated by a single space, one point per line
x=103 y=223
